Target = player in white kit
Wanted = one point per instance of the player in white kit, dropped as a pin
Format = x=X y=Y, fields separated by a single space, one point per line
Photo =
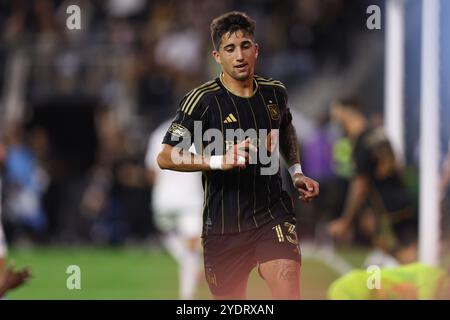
x=177 y=204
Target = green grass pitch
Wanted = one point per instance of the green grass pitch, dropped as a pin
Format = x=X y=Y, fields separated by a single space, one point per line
x=137 y=273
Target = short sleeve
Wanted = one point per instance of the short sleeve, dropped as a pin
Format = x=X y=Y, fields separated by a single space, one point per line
x=286 y=116
x=189 y=116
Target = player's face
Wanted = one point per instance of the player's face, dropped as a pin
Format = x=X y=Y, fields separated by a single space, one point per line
x=237 y=55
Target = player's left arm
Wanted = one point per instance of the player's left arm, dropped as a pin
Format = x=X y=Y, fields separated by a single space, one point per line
x=289 y=148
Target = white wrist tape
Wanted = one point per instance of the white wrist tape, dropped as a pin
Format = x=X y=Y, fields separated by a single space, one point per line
x=296 y=168
x=215 y=162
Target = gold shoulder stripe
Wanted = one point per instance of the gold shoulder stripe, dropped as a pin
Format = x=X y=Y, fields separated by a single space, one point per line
x=263 y=79
x=273 y=83
x=194 y=91
x=188 y=103
x=269 y=81
x=205 y=91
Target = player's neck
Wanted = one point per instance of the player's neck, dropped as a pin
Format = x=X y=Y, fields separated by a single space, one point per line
x=239 y=88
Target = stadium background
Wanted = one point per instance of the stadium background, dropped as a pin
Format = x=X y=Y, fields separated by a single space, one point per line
x=83 y=103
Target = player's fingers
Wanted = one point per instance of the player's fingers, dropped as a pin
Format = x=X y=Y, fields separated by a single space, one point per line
x=241 y=154
x=244 y=144
x=252 y=148
x=241 y=159
x=306 y=190
x=315 y=188
x=305 y=194
x=273 y=140
x=305 y=198
x=309 y=186
x=312 y=187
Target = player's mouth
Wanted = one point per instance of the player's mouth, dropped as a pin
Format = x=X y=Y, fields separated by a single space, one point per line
x=241 y=67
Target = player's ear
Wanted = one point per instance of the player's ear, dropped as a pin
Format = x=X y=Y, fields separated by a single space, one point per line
x=216 y=56
x=256 y=50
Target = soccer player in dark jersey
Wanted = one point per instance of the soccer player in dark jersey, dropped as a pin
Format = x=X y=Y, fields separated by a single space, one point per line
x=377 y=178
x=248 y=218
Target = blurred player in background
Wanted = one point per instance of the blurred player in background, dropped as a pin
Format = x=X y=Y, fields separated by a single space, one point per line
x=177 y=205
x=248 y=218
x=405 y=282
x=9 y=279
x=377 y=178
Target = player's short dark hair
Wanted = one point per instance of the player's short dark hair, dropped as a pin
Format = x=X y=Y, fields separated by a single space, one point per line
x=351 y=102
x=231 y=22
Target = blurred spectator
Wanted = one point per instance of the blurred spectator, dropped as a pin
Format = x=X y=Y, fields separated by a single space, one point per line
x=113 y=204
x=26 y=181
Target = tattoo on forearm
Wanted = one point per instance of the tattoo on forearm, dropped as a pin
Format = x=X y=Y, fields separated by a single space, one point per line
x=289 y=144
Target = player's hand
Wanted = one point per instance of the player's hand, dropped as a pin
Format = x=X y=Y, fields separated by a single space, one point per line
x=11 y=279
x=238 y=156
x=272 y=140
x=307 y=187
x=338 y=227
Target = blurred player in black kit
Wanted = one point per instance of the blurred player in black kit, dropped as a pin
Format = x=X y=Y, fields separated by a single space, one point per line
x=377 y=178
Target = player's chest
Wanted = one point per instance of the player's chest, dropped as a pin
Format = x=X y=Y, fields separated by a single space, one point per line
x=257 y=112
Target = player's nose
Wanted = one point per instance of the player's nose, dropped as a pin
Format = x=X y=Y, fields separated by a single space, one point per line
x=239 y=55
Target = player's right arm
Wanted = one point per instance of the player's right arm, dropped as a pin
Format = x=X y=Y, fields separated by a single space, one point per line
x=180 y=159
x=356 y=196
